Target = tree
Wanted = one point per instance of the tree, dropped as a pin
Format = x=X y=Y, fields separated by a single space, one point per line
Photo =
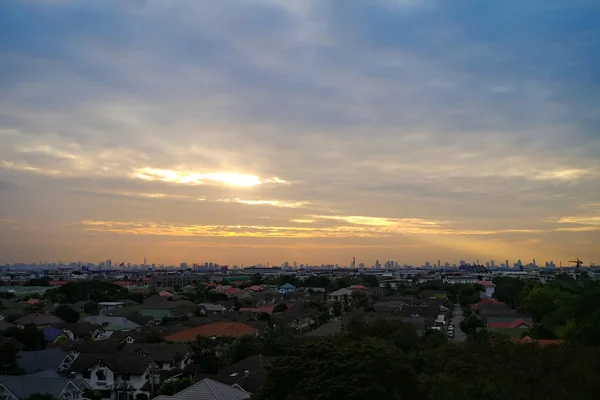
x=8 y=359
x=256 y=279
x=205 y=355
x=141 y=396
x=337 y=308
x=337 y=369
x=173 y=386
x=38 y=282
x=280 y=308
x=470 y=324
x=90 y=308
x=92 y=394
x=66 y=313
x=92 y=290
x=29 y=336
x=244 y=346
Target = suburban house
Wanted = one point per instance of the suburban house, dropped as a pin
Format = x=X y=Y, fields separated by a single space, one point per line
x=20 y=387
x=208 y=389
x=166 y=355
x=118 y=376
x=488 y=287
x=454 y=279
x=214 y=330
x=81 y=331
x=247 y=374
x=210 y=308
x=340 y=294
x=109 y=307
x=286 y=288
x=54 y=359
x=156 y=314
x=298 y=318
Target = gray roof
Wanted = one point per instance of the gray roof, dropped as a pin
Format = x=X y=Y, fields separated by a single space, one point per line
x=111 y=323
x=42 y=319
x=208 y=389
x=34 y=361
x=5 y=325
x=341 y=292
x=43 y=382
x=327 y=329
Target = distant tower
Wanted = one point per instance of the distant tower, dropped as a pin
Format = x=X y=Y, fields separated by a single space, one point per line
x=353 y=262
x=145 y=262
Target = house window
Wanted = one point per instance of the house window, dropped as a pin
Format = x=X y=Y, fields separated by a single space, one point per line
x=87 y=374
x=101 y=375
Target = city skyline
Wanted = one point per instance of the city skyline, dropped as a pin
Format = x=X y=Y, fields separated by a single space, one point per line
x=310 y=130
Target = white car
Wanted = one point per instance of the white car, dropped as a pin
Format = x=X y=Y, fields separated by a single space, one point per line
x=450 y=334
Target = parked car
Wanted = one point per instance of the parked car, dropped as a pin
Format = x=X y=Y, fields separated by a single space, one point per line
x=450 y=334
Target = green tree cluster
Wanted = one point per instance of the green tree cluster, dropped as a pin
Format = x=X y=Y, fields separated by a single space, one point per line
x=385 y=359
x=93 y=290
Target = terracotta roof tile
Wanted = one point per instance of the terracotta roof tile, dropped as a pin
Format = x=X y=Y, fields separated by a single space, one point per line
x=217 y=329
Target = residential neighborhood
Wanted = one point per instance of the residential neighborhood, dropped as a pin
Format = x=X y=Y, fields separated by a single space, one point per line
x=101 y=339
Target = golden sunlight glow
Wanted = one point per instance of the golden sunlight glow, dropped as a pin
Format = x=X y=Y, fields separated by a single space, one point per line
x=227 y=178
x=303 y=221
x=591 y=220
x=368 y=228
x=563 y=175
x=274 y=203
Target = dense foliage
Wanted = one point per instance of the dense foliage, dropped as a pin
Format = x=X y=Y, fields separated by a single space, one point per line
x=66 y=313
x=93 y=290
x=564 y=309
x=386 y=360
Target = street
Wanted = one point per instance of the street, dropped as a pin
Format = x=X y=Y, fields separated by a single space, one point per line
x=459 y=335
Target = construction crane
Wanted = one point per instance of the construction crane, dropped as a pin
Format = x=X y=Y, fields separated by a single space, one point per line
x=577 y=262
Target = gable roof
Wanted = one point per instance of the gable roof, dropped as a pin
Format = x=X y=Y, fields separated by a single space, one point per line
x=50 y=333
x=25 y=385
x=217 y=329
x=486 y=283
x=508 y=324
x=96 y=347
x=341 y=292
x=35 y=361
x=119 y=363
x=156 y=314
x=208 y=389
x=160 y=352
x=83 y=328
x=287 y=286
x=41 y=319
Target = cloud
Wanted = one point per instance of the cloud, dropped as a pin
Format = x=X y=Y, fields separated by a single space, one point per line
x=390 y=118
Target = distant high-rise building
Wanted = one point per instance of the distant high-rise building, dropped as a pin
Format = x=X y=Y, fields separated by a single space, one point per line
x=439 y=263
x=145 y=262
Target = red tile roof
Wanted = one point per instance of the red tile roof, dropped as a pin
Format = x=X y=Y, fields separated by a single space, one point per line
x=486 y=283
x=361 y=287
x=58 y=283
x=217 y=329
x=510 y=324
x=233 y=291
x=541 y=342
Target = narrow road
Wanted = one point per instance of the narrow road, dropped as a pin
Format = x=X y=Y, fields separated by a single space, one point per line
x=459 y=335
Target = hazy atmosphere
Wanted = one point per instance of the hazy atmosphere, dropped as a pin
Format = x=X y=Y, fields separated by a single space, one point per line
x=247 y=131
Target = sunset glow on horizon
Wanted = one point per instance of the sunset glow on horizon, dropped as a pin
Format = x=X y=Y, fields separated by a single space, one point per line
x=317 y=131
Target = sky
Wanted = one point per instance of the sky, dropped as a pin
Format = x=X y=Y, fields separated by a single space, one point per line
x=255 y=131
